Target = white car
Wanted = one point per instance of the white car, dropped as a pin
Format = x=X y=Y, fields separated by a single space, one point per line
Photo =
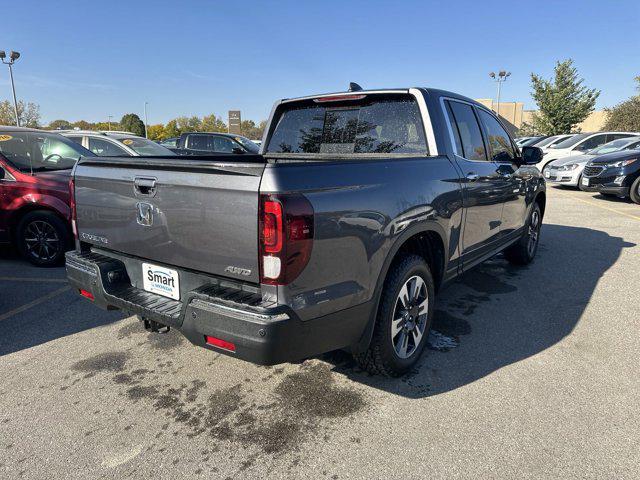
x=549 y=142
x=579 y=145
x=568 y=170
x=116 y=144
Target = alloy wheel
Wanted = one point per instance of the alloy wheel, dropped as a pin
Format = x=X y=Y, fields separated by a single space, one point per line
x=41 y=240
x=410 y=317
x=534 y=232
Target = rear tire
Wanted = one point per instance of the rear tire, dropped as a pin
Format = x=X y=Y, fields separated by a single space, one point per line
x=404 y=319
x=42 y=238
x=634 y=191
x=524 y=250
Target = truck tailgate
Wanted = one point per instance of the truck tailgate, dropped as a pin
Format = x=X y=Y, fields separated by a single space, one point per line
x=199 y=214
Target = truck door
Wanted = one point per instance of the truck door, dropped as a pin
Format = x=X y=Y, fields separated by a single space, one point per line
x=481 y=182
x=511 y=179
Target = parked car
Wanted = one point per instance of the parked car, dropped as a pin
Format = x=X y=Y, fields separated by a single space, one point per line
x=531 y=141
x=169 y=142
x=519 y=140
x=117 y=144
x=568 y=170
x=614 y=174
x=580 y=144
x=205 y=143
x=35 y=216
x=362 y=205
x=550 y=141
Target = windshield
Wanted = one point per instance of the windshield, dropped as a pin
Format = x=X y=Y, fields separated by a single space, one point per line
x=247 y=144
x=375 y=124
x=39 y=151
x=547 y=141
x=145 y=147
x=571 y=141
x=614 y=146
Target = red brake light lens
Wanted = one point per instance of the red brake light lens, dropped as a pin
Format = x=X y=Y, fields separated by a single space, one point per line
x=286 y=237
x=272 y=226
x=338 y=98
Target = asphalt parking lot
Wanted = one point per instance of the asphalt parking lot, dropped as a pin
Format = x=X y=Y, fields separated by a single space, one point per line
x=531 y=373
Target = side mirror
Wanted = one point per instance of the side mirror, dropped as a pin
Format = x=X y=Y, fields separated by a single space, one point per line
x=237 y=150
x=531 y=155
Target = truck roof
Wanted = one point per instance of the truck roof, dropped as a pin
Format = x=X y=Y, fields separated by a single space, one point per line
x=429 y=91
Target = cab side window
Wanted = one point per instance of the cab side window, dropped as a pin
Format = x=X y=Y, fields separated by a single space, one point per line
x=499 y=141
x=466 y=131
x=223 y=145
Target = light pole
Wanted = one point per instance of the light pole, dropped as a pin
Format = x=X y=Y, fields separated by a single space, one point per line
x=145 y=119
x=500 y=78
x=13 y=56
x=110 y=117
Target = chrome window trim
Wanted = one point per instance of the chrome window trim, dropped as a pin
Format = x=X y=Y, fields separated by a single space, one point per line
x=451 y=137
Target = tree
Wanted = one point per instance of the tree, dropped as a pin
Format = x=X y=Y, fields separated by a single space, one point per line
x=626 y=115
x=189 y=124
x=250 y=130
x=29 y=114
x=562 y=102
x=59 y=125
x=82 y=125
x=171 y=129
x=211 y=123
x=156 y=132
x=131 y=122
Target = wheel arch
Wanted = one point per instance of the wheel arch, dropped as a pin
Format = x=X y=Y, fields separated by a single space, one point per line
x=427 y=241
x=27 y=208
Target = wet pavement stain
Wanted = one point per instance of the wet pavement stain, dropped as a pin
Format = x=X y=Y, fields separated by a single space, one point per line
x=450 y=325
x=103 y=362
x=130 y=329
x=165 y=341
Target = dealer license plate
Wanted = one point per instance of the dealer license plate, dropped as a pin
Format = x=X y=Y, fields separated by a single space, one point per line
x=161 y=280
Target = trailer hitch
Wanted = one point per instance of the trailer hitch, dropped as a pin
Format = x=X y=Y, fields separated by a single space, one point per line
x=154 y=327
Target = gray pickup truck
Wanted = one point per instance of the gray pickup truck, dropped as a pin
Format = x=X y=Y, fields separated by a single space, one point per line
x=359 y=207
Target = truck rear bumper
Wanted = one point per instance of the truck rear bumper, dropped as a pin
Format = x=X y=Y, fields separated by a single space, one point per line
x=261 y=334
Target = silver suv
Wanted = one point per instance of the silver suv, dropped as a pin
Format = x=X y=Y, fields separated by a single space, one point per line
x=116 y=144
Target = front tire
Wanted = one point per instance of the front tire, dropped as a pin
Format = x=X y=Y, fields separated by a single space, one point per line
x=404 y=319
x=634 y=191
x=42 y=238
x=524 y=250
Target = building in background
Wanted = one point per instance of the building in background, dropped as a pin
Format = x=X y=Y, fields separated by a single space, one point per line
x=515 y=115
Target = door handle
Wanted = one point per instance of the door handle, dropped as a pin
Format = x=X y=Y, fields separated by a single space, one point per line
x=472 y=176
x=145 y=186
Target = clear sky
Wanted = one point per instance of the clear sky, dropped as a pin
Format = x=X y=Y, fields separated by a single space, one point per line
x=87 y=60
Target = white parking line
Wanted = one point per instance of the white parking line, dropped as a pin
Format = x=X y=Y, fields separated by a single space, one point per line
x=33 y=303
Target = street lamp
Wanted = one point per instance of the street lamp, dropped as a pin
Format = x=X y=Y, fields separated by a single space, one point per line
x=145 y=119
x=13 y=56
x=499 y=78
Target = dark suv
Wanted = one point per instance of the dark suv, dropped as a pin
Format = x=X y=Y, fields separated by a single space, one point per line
x=614 y=174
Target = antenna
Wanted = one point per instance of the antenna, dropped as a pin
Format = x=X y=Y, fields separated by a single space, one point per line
x=354 y=87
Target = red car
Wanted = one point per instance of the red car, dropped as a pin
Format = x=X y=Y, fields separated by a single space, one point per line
x=35 y=168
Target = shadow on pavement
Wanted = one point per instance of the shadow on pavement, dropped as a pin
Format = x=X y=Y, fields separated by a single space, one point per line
x=498 y=314
x=43 y=308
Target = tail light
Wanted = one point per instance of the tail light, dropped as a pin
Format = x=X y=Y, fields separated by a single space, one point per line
x=72 y=207
x=286 y=237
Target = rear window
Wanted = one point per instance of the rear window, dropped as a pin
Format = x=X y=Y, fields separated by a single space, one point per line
x=376 y=124
x=571 y=141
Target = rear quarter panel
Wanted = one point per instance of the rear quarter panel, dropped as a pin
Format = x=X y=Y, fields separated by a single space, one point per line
x=362 y=209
